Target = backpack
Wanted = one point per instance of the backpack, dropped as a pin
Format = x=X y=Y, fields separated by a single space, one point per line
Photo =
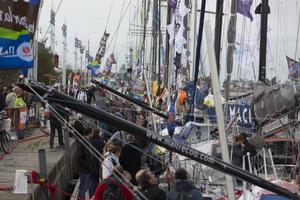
x=182 y=194
x=112 y=190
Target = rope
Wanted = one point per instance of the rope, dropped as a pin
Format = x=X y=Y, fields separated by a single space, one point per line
x=112 y=2
x=119 y=26
x=85 y=143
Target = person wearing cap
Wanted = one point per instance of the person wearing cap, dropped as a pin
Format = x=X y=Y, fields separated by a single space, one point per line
x=111 y=157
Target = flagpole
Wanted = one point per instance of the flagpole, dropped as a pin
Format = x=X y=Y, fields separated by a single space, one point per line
x=64 y=70
x=218 y=32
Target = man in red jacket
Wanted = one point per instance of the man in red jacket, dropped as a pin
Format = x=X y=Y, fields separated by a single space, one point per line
x=119 y=189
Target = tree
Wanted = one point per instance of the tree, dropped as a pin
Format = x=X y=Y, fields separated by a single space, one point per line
x=45 y=68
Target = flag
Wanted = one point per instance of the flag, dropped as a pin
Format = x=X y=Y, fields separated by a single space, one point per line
x=172 y=3
x=52 y=17
x=64 y=30
x=17 y=28
x=290 y=61
x=110 y=60
x=294 y=68
x=102 y=46
x=244 y=7
x=93 y=66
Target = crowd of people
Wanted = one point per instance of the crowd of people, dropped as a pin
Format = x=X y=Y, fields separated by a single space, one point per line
x=123 y=173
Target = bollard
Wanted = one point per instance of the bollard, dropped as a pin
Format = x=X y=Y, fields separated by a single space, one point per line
x=43 y=172
x=67 y=154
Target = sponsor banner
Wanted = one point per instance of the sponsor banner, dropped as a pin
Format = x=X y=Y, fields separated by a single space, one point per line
x=243 y=114
x=17 y=27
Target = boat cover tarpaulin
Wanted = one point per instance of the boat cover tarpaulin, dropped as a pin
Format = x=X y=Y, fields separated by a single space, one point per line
x=272 y=101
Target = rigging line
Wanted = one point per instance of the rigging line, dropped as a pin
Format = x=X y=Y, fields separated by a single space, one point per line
x=126 y=142
x=55 y=13
x=117 y=29
x=108 y=17
x=118 y=26
x=87 y=145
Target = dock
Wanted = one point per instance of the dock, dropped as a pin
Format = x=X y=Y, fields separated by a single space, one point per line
x=25 y=157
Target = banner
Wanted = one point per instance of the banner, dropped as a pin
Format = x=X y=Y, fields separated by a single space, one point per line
x=102 y=47
x=17 y=28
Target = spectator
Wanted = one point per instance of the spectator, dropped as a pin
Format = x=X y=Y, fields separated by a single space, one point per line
x=19 y=102
x=55 y=124
x=130 y=158
x=114 y=186
x=237 y=154
x=112 y=152
x=246 y=148
x=84 y=164
x=184 y=189
x=148 y=184
x=11 y=97
x=98 y=144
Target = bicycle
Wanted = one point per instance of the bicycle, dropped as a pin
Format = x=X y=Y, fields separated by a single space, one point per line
x=5 y=140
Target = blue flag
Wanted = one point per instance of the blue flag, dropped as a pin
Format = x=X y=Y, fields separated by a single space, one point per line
x=243 y=8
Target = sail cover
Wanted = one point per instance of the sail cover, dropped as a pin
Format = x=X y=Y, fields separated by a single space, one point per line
x=272 y=101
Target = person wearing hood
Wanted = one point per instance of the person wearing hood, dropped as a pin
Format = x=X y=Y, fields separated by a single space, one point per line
x=183 y=188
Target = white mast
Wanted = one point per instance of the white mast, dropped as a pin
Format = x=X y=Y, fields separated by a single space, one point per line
x=218 y=105
x=64 y=31
x=52 y=29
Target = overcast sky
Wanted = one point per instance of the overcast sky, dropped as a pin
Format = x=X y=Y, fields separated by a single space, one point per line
x=87 y=20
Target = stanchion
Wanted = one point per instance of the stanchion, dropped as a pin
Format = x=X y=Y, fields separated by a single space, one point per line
x=43 y=172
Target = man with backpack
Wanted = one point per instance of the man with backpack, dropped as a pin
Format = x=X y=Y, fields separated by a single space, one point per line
x=183 y=189
x=114 y=187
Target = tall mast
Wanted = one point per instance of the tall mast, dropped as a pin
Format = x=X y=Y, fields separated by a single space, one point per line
x=197 y=60
x=264 y=10
x=231 y=44
x=154 y=38
x=218 y=31
x=159 y=43
x=52 y=29
x=144 y=36
x=64 y=67
x=166 y=71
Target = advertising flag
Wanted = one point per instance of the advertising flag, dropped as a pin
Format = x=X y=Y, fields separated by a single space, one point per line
x=17 y=28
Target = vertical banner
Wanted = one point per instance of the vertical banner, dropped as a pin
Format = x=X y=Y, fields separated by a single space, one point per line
x=17 y=27
x=22 y=118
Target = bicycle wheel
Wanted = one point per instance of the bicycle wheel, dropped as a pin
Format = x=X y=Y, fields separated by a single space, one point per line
x=5 y=140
